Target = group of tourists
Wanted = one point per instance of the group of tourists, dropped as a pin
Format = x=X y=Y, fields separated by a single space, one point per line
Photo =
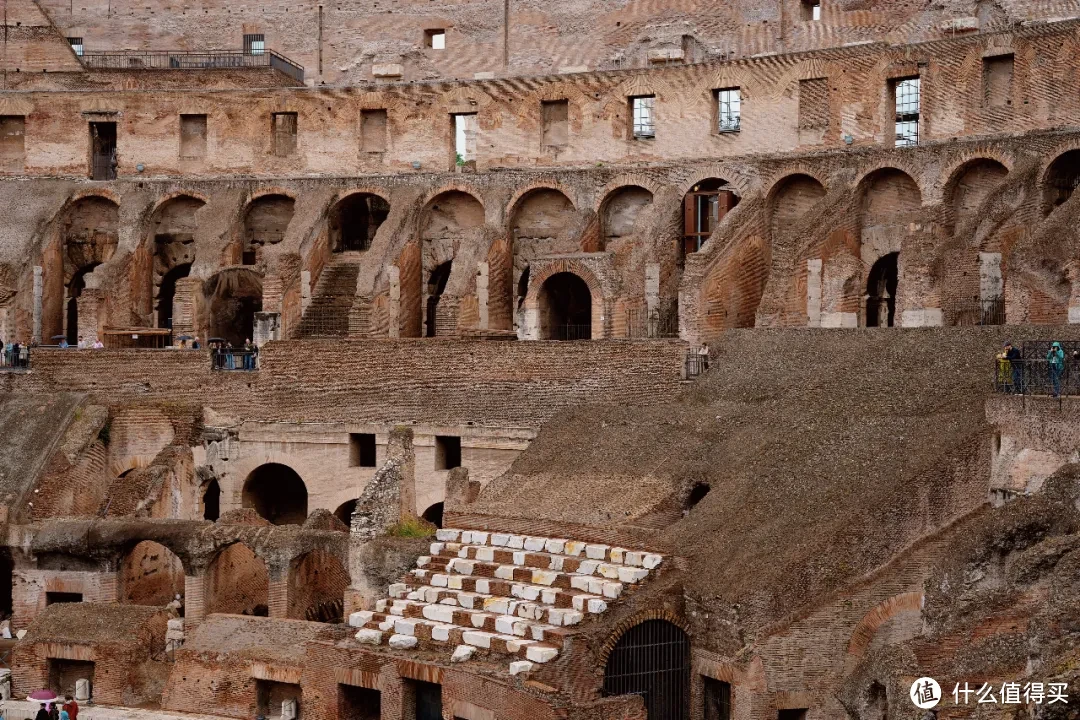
x=1017 y=374
x=14 y=354
x=51 y=711
x=83 y=344
x=226 y=357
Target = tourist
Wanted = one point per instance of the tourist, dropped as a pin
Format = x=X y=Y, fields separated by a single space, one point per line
x=1016 y=367
x=24 y=355
x=703 y=356
x=195 y=343
x=230 y=361
x=54 y=711
x=42 y=713
x=71 y=707
x=175 y=608
x=64 y=715
x=1055 y=363
x=82 y=345
x=64 y=344
x=249 y=355
x=98 y=345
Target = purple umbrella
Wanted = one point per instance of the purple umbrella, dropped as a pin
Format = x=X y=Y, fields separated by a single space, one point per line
x=42 y=696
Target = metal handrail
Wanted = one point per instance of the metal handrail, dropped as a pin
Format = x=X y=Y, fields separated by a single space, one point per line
x=190 y=60
x=1032 y=373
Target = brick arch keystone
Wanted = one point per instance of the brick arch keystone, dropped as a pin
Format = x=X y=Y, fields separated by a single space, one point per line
x=169 y=197
x=723 y=172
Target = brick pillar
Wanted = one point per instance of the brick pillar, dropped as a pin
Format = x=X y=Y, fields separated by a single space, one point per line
x=194 y=599
x=91 y=303
x=482 y=298
x=278 y=595
x=108 y=589
x=267 y=327
x=813 y=292
x=38 y=292
x=392 y=691
x=184 y=306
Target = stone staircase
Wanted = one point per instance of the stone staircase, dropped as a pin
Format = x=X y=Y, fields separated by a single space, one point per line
x=501 y=593
x=328 y=313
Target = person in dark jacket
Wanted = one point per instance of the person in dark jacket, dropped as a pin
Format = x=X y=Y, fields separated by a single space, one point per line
x=1016 y=366
x=1055 y=363
x=42 y=713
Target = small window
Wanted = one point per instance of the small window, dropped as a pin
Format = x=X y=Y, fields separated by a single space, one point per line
x=192 y=136
x=254 y=44
x=811 y=10
x=447 y=452
x=997 y=81
x=466 y=129
x=361 y=449
x=12 y=141
x=555 y=116
x=54 y=598
x=435 y=39
x=728 y=110
x=425 y=697
x=76 y=45
x=799 y=714
x=813 y=103
x=906 y=98
x=717 y=699
x=643 y=114
x=283 y=126
x=373 y=131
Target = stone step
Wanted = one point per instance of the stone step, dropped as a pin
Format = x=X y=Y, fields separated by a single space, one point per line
x=548 y=613
x=553 y=546
x=573 y=598
x=444 y=572
x=382 y=629
x=431 y=615
x=537 y=561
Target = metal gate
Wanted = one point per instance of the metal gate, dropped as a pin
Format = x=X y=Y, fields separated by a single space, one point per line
x=652 y=659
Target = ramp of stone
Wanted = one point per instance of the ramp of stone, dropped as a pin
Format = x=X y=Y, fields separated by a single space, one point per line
x=328 y=313
x=509 y=594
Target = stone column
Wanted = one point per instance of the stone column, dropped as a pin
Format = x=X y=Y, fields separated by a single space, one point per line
x=267 y=327
x=185 y=302
x=991 y=282
x=38 y=291
x=91 y=304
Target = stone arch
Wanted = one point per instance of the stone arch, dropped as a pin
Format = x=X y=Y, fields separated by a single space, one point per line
x=266 y=220
x=150 y=574
x=434 y=514
x=449 y=221
x=564 y=307
x=968 y=187
x=345 y=511
x=541 y=221
x=651 y=658
x=211 y=501
x=169 y=251
x=864 y=631
x=735 y=285
x=790 y=198
x=231 y=298
x=277 y=493
x=1060 y=179
x=889 y=202
x=237 y=582
x=317 y=582
x=354 y=218
x=881 y=283
x=619 y=211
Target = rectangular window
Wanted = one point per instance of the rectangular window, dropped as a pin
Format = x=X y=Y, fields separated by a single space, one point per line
x=799 y=714
x=717 y=699
x=906 y=99
x=997 y=81
x=728 y=110
x=76 y=45
x=254 y=44
x=643 y=114
x=53 y=598
x=814 y=103
x=192 y=136
x=283 y=126
x=435 y=39
x=465 y=132
x=12 y=141
x=555 y=115
x=425 y=699
x=357 y=703
x=447 y=452
x=811 y=10
x=103 y=158
x=373 y=131
x=361 y=449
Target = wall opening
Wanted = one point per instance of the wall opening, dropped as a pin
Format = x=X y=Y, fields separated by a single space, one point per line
x=355 y=220
x=362 y=450
x=565 y=307
x=435 y=287
x=997 y=80
x=54 y=598
x=466 y=130
x=317 y=582
x=277 y=493
x=435 y=39
x=233 y=297
x=792 y=714
x=810 y=10
x=211 y=501
x=238 y=583
x=790 y=199
x=434 y=515
x=171 y=240
x=167 y=294
x=1062 y=177
x=345 y=512
x=620 y=210
x=150 y=574
x=973 y=185
x=424 y=698
x=265 y=223
x=373 y=129
x=7 y=582
x=75 y=288
x=192 y=137
x=12 y=142
x=358 y=703
x=63 y=674
x=652 y=659
x=277 y=700
x=103 y=159
x=283 y=129
x=447 y=452
x=877 y=702
x=717 y=699
x=881 y=291
x=555 y=124
x=697 y=494
x=704 y=206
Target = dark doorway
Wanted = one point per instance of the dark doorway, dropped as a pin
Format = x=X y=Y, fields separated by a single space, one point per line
x=211 y=500
x=523 y=286
x=565 y=308
x=271 y=696
x=233 y=296
x=345 y=512
x=75 y=288
x=652 y=660
x=355 y=221
x=357 y=703
x=436 y=286
x=166 y=293
x=7 y=581
x=103 y=151
x=55 y=598
x=703 y=208
x=277 y=493
x=434 y=514
x=881 y=291
x=64 y=673
x=428 y=700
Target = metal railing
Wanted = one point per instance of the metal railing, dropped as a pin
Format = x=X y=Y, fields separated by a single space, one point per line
x=1036 y=372
x=979 y=312
x=572 y=332
x=696 y=363
x=234 y=360
x=190 y=60
x=662 y=322
x=14 y=357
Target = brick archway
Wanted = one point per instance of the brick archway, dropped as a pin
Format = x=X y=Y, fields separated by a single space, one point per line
x=544 y=272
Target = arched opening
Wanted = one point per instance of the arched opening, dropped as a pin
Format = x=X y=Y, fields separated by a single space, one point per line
x=167 y=292
x=971 y=186
x=345 y=512
x=88 y=238
x=211 y=501
x=75 y=288
x=704 y=206
x=565 y=305
x=317 y=583
x=541 y=218
x=1061 y=180
x=697 y=494
x=877 y=702
x=355 y=220
x=434 y=514
x=238 y=583
x=233 y=297
x=265 y=223
x=791 y=198
x=619 y=212
x=150 y=574
x=435 y=287
x=276 y=492
x=881 y=291
x=652 y=659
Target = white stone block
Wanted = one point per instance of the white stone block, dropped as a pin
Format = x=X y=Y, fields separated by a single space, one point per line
x=462 y=567
x=505 y=572
x=555 y=546
x=633 y=558
x=483 y=587
x=548 y=596
x=451 y=601
x=571 y=617
x=479 y=538
x=438 y=580
x=380 y=605
x=466 y=537
x=587 y=567
x=496 y=605
x=361 y=618
x=593 y=552
x=455 y=582
x=82 y=690
x=514 y=644
x=616 y=555
x=652 y=561
x=420 y=574
x=485 y=554
x=500 y=539
x=288 y=709
x=463 y=552
x=405 y=626
x=544 y=577
x=441 y=633
x=387 y=70
x=519 y=557
x=174 y=624
x=368 y=636
x=632 y=574
x=530 y=611
x=415 y=595
x=556 y=562
x=462 y=653
x=403 y=642
x=516 y=542
x=447 y=535
x=612 y=590
x=467 y=600
x=478 y=619
x=436 y=548
x=537 y=632
x=574 y=548
x=423 y=561
x=386 y=625
x=596 y=586
x=535 y=544
x=597 y=606
x=579 y=582
x=609 y=571
x=438 y=613
x=519 y=667
x=431 y=595
x=529 y=592
x=398 y=590
x=476 y=638
x=541 y=654
x=504 y=624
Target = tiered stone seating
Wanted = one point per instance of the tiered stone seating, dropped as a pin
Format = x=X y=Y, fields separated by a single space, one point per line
x=502 y=593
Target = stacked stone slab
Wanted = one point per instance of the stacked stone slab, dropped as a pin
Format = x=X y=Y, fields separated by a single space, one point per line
x=496 y=592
